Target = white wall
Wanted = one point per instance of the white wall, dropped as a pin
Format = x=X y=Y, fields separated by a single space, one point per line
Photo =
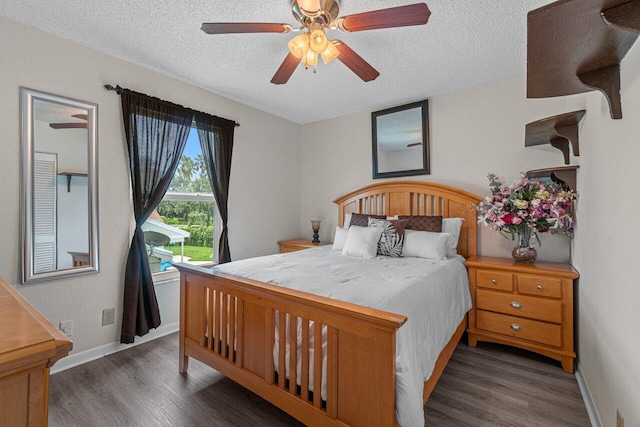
x=472 y=132
x=70 y=144
x=264 y=203
x=399 y=160
x=73 y=219
x=606 y=250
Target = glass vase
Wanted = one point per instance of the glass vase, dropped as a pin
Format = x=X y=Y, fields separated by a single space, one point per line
x=524 y=252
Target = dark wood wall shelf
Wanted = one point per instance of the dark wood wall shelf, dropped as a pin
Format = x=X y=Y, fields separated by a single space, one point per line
x=69 y=175
x=560 y=131
x=576 y=46
x=564 y=176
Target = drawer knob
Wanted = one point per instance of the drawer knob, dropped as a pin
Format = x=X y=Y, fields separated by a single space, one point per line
x=493 y=281
x=515 y=304
x=515 y=326
x=539 y=287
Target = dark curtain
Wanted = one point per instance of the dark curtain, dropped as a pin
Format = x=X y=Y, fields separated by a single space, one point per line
x=156 y=133
x=216 y=139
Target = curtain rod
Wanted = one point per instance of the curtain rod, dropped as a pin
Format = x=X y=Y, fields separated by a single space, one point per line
x=117 y=89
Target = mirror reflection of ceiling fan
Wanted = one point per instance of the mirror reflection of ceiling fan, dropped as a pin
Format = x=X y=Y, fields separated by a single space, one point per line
x=72 y=125
x=317 y=16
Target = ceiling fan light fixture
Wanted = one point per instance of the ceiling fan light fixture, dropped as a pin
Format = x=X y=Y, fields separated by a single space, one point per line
x=299 y=45
x=318 y=41
x=330 y=53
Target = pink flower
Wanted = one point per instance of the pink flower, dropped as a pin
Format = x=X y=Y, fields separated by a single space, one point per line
x=517 y=220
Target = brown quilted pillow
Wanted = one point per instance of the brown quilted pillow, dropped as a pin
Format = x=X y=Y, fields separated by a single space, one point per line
x=423 y=222
x=362 y=220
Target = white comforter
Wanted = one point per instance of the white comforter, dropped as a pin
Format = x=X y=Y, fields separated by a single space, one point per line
x=433 y=294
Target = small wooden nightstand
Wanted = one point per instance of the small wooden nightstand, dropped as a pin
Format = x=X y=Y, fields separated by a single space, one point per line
x=298 y=245
x=524 y=305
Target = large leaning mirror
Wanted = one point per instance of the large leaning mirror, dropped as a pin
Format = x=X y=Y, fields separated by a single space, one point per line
x=59 y=187
x=400 y=138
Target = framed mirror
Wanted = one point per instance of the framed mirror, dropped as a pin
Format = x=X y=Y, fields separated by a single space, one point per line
x=400 y=138
x=59 y=187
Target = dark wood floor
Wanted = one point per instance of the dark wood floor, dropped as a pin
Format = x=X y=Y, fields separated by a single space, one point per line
x=490 y=385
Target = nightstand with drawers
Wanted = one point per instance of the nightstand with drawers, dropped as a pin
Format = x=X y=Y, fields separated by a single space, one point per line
x=298 y=245
x=524 y=305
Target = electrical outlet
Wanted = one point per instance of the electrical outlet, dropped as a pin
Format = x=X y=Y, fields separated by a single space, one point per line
x=66 y=327
x=108 y=315
x=619 y=419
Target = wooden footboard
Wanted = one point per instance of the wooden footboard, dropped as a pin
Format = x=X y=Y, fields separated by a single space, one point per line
x=229 y=323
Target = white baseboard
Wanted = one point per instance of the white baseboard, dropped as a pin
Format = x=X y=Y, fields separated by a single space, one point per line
x=107 y=349
x=592 y=411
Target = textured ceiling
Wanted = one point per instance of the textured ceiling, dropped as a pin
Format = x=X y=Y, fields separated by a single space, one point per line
x=466 y=43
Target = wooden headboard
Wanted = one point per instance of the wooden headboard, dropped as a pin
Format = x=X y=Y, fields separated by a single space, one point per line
x=416 y=198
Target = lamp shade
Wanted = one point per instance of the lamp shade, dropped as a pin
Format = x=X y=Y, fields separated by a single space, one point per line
x=315 y=224
x=318 y=41
x=299 y=45
x=330 y=53
x=311 y=58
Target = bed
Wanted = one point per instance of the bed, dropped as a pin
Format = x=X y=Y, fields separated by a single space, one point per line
x=233 y=323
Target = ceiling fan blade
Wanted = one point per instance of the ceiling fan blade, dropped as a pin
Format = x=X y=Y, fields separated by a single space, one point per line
x=68 y=125
x=286 y=69
x=243 y=27
x=80 y=116
x=355 y=62
x=401 y=16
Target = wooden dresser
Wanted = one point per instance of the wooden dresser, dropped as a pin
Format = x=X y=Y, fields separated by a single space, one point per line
x=524 y=305
x=298 y=245
x=29 y=346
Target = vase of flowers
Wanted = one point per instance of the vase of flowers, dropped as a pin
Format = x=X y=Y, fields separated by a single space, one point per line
x=524 y=209
x=524 y=252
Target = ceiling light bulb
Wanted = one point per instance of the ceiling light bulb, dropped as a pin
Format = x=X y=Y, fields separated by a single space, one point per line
x=330 y=53
x=318 y=41
x=311 y=59
x=298 y=45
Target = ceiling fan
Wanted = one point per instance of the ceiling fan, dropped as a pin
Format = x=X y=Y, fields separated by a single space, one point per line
x=73 y=125
x=317 y=16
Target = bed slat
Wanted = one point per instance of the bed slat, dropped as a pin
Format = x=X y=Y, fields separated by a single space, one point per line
x=304 y=381
x=282 y=347
x=332 y=372
x=268 y=344
x=293 y=354
x=225 y=325
x=240 y=335
x=232 y=328
x=210 y=315
x=317 y=364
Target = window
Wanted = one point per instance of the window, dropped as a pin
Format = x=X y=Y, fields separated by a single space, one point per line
x=183 y=228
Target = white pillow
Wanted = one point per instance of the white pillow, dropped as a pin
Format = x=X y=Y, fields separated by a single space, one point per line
x=362 y=241
x=452 y=226
x=347 y=220
x=340 y=238
x=425 y=244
